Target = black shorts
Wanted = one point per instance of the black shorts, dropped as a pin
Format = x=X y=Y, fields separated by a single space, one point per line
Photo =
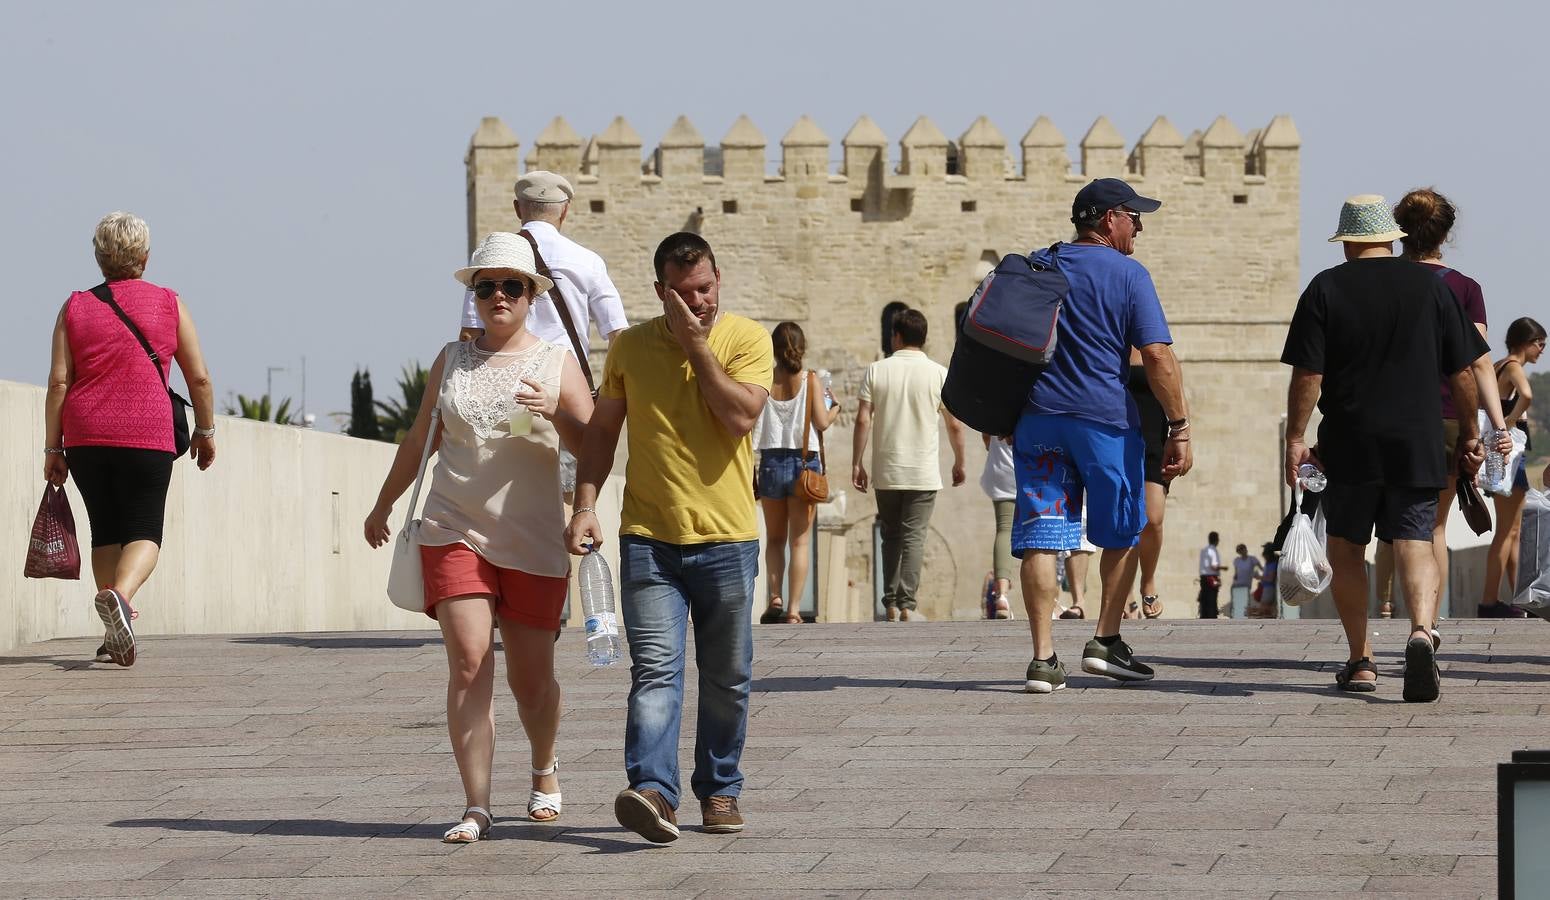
x=1154 y=431
x=125 y=490
x=1352 y=512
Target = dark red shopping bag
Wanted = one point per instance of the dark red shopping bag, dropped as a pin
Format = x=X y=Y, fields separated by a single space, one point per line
x=53 y=551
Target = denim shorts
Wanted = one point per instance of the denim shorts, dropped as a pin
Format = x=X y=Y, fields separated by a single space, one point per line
x=778 y=470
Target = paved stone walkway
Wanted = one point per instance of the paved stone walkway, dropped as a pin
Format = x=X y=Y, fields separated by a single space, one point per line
x=883 y=760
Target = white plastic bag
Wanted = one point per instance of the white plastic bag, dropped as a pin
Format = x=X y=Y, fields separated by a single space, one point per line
x=1510 y=463
x=1533 y=587
x=1304 y=571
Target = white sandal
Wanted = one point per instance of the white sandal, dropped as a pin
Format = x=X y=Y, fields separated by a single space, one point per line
x=538 y=801
x=466 y=832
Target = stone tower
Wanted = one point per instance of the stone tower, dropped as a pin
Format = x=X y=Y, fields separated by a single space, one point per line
x=825 y=237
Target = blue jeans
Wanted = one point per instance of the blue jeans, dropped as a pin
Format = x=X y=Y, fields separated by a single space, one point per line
x=663 y=586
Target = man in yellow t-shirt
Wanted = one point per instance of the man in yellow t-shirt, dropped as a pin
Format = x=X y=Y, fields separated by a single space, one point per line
x=690 y=384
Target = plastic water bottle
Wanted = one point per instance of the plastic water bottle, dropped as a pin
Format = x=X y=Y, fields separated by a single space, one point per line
x=826 y=379
x=597 y=604
x=1495 y=471
x=1311 y=478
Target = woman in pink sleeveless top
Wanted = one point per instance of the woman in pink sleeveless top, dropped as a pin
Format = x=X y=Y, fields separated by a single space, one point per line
x=108 y=419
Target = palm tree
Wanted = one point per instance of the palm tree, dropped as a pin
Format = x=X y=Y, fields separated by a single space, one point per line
x=394 y=417
x=260 y=409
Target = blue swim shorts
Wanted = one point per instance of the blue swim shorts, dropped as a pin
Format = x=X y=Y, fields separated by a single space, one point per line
x=1062 y=461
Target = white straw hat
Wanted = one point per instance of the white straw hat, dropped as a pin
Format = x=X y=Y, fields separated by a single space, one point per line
x=1367 y=219
x=504 y=250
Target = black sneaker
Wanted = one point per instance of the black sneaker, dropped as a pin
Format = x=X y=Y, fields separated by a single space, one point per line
x=1115 y=661
x=1423 y=681
x=1045 y=676
x=103 y=655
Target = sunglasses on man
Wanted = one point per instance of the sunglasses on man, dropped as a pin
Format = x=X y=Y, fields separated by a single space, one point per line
x=513 y=288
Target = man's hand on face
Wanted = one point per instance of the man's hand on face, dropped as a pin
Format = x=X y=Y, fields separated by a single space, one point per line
x=685 y=325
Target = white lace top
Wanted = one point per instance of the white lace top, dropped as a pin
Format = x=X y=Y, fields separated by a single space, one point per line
x=780 y=423
x=494 y=491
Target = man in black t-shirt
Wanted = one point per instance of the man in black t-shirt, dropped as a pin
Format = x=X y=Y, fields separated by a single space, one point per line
x=1368 y=342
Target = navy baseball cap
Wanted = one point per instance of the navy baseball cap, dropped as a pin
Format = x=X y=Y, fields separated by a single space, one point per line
x=1103 y=194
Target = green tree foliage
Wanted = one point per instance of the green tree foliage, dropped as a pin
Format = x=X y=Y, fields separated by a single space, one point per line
x=363 y=414
x=395 y=417
x=1539 y=413
x=261 y=410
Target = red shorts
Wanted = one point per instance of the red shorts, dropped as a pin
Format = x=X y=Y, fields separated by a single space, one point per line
x=455 y=570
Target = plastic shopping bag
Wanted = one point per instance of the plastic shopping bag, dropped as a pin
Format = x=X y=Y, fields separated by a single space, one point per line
x=53 y=551
x=1304 y=571
x=1533 y=587
x=1514 y=458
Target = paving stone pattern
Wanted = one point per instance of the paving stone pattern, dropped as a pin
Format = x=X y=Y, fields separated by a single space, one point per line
x=883 y=760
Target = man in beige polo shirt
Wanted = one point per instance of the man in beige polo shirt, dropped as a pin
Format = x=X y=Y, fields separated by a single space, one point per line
x=904 y=394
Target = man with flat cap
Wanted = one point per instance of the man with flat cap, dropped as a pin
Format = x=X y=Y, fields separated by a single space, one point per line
x=579 y=275
x=1079 y=439
x=580 y=279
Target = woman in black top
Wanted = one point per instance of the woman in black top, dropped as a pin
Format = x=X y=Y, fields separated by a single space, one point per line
x=1525 y=342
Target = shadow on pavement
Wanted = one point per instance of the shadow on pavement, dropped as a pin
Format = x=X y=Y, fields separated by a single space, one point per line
x=507 y=829
x=343 y=642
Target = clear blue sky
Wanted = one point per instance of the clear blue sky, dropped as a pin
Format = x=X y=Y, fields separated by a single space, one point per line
x=301 y=163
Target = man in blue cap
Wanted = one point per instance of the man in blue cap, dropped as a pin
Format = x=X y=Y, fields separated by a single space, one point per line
x=1079 y=438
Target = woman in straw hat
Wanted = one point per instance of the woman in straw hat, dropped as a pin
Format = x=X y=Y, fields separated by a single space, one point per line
x=490 y=533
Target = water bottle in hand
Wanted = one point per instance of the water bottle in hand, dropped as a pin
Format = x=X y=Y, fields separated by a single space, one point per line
x=1311 y=478
x=826 y=379
x=1495 y=470
x=597 y=604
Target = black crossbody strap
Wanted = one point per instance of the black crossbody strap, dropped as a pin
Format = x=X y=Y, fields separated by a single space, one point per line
x=105 y=294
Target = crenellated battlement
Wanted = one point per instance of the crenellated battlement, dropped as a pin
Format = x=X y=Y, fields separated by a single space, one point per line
x=981 y=153
x=825 y=233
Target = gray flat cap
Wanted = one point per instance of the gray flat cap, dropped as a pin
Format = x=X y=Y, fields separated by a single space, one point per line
x=544 y=187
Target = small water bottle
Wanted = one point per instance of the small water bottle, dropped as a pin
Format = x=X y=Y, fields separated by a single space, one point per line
x=826 y=379
x=1311 y=478
x=1495 y=470
x=597 y=604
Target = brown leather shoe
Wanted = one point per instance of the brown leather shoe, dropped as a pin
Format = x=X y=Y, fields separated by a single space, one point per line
x=893 y=613
x=648 y=814
x=720 y=816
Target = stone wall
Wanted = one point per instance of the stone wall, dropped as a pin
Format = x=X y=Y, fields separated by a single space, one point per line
x=828 y=245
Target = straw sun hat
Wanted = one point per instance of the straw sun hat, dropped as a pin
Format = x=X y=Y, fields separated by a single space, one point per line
x=1367 y=219
x=504 y=250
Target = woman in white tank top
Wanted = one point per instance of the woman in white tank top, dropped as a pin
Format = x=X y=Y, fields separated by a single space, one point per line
x=778 y=436
x=490 y=533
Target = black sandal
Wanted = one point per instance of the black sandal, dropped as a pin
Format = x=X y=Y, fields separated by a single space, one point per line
x=773 y=614
x=1346 y=680
x=1151 y=607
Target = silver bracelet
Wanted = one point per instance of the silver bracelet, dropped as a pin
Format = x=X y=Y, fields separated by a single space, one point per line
x=53 y=449
x=579 y=510
x=205 y=432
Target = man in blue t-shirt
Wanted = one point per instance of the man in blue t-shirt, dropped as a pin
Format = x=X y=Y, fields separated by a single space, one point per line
x=1080 y=433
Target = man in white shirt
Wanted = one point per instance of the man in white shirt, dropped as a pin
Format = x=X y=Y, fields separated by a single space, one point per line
x=1211 y=570
x=905 y=390
x=580 y=277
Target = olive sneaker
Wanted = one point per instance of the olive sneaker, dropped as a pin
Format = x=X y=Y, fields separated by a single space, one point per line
x=719 y=815
x=1045 y=676
x=1115 y=661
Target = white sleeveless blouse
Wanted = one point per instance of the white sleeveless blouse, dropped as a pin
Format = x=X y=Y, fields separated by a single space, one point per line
x=780 y=423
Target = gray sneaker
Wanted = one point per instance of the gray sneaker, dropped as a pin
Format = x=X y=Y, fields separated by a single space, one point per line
x=1045 y=677
x=1116 y=661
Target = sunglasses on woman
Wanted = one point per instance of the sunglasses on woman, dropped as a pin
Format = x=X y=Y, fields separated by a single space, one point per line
x=513 y=288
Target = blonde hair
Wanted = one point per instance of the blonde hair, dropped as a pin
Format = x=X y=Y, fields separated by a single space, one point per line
x=122 y=243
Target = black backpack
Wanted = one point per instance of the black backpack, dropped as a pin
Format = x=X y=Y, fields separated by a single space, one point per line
x=1005 y=339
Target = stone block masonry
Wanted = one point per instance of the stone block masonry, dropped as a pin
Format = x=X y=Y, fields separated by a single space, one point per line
x=828 y=249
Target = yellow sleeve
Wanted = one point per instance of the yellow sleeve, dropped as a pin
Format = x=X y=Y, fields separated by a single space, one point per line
x=752 y=356
x=614 y=368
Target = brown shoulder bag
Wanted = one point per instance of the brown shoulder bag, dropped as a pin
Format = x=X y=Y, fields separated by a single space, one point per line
x=812 y=486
